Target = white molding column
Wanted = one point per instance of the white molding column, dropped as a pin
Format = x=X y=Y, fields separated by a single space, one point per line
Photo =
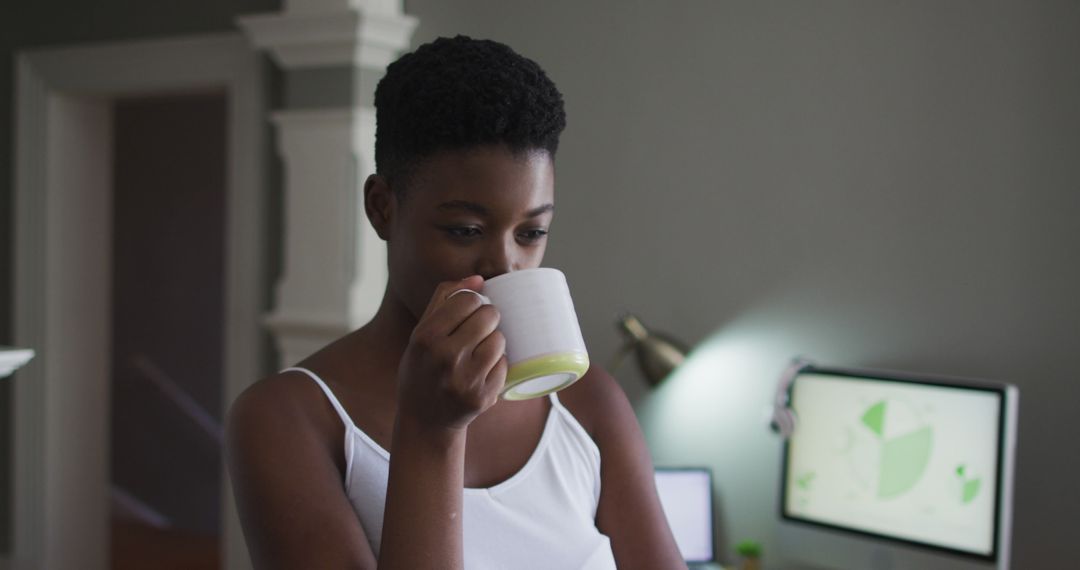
x=334 y=269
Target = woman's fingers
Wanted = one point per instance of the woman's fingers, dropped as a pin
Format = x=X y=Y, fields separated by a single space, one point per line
x=444 y=292
x=475 y=328
x=451 y=315
x=477 y=347
x=496 y=379
x=488 y=352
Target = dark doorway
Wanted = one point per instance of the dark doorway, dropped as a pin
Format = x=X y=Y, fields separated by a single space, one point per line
x=167 y=351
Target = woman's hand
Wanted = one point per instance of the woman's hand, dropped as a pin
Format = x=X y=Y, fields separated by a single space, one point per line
x=455 y=364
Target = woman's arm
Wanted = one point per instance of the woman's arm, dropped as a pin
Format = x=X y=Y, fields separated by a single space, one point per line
x=452 y=371
x=288 y=489
x=629 y=512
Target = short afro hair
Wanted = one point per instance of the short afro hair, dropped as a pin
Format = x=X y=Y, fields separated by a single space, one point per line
x=460 y=93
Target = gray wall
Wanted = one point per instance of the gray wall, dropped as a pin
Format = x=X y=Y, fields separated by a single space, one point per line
x=26 y=24
x=868 y=183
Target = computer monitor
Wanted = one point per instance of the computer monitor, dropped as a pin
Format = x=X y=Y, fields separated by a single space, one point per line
x=686 y=496
x=889 y=471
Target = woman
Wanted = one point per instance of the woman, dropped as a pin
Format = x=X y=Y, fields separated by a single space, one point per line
x=464 y=191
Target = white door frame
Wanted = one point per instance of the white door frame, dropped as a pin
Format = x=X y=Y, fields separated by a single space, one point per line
x=63 y=268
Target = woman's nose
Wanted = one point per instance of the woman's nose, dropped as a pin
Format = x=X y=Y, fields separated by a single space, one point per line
x=496 y=259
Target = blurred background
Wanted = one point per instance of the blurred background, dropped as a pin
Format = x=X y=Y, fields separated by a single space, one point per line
x=865 y=183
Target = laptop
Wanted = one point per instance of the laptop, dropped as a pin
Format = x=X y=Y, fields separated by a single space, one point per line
x=687 y=498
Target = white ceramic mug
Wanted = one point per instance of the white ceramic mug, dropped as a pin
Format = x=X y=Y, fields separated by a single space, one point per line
x=544 y=347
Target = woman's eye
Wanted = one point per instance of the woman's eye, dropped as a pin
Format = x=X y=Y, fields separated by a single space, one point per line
x=533 y=235
x=463 y=231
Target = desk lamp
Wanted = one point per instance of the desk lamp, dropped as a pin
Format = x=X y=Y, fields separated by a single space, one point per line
x=657 y=354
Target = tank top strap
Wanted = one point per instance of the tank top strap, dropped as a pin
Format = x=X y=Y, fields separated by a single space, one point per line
x=558 y=405
x=562 y=410
x=329 y=394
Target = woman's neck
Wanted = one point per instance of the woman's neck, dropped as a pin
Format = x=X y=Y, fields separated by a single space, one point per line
x=388 y=332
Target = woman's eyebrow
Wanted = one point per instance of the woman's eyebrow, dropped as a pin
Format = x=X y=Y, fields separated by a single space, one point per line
x=537 y=211
x=483 y=211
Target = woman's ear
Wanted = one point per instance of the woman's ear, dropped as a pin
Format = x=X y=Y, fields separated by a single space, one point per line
x=379 y=204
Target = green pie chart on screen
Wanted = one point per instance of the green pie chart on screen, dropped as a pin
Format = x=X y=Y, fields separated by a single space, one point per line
x=969 y=486
x=905 y=444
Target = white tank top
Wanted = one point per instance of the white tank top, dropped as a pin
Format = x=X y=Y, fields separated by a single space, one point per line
x=542 y=517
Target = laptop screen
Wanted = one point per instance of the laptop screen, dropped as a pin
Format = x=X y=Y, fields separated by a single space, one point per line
x=686 y=495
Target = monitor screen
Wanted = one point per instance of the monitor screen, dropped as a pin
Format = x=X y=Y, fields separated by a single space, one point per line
x=686 y=495
x=907 y=459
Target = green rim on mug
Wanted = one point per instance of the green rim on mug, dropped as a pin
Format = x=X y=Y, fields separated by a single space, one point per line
x=543 y=375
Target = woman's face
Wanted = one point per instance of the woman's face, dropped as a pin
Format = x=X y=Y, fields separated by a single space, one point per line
x=480 y=212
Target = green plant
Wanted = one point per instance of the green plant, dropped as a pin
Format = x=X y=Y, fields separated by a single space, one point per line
x=748 y=549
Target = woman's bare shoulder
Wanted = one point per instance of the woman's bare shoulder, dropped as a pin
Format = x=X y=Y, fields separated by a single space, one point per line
x=598 y=403
x=287 y=398
x=284 y=392
x=286 y=463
